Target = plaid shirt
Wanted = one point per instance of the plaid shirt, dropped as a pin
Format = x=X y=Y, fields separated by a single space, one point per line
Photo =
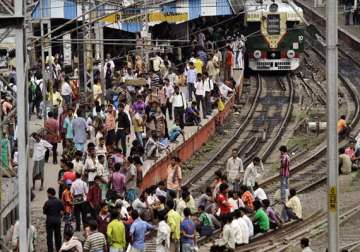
x=285 y=165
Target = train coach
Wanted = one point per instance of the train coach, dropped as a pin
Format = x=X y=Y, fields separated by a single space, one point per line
x=275 y=40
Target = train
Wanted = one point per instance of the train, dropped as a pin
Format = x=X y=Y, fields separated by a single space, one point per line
x=275 y=35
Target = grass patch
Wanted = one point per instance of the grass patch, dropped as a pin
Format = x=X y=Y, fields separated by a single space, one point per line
x=304 y=141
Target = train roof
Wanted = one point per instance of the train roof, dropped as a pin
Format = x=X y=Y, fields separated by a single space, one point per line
x=254 y=9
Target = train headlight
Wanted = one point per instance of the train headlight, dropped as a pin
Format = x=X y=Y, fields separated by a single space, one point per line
x=290 y=54
x=257 y=54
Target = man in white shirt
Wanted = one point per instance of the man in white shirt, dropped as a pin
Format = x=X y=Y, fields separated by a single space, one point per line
x=224 y=89
x=234 y=168
x=66 y=91
x=304 y=242
x=248 y=222
x=39 y=150
x=244 y=234
x=251 y=172
x=169 y=92
x=208 y=87
x=163 y=235
x=200 y=94
x=157 y=62
x=79 y=190
x=259 y=193
x=179 y=103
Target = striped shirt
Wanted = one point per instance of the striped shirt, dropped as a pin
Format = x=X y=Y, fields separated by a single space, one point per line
x=95 y=242
x=285 y=165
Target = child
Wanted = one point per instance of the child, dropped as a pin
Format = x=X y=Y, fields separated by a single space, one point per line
x=67 y=199
x=103 y=219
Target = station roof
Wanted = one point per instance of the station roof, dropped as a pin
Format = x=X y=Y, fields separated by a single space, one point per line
x=176 y=11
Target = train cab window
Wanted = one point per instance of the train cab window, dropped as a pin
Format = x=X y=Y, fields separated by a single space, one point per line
x=273 y=24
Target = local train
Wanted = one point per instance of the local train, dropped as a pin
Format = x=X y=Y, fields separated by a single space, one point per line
x=275 y=40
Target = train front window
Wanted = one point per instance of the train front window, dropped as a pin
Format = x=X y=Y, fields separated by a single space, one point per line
x=273 y=24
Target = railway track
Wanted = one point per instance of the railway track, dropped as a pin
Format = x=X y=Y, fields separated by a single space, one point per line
x=249 y=140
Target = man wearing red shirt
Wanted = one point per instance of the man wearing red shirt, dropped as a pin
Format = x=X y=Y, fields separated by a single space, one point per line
x=94 y=197
x=222 y=200
x=69 y=174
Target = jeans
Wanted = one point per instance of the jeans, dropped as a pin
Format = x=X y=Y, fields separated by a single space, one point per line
x=185 y=247
x=139 y=138
x=169 y=108
x=67 y=99
x=121 y=136
x=191 y=90
x=51 y=230
x=284 y=186
x=54 y=151
x=288 y=214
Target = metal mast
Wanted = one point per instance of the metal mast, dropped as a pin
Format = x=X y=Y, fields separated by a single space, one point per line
x=332 y=111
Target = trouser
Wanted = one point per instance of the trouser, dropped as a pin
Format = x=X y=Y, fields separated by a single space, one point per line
x=185 y=247
x=169 y=108
x=121 y=136
x=174 y=246
x=208 y=103
x=227 y=72
x=191 y=90
x=80 y=209
x=179 y=116
x=54 y=152
x=347 y=17
x=139 y=138
x=257 y=229
x=51 y=230
x=67 y=99
x=200 y=98
x=288 y=214
x=284 y=186
x=36 y=104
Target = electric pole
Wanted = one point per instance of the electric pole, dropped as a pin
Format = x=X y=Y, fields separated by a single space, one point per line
x=332 y=111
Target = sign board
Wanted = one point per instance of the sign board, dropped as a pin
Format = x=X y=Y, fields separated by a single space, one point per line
x=168 y=17
x=67 y=49
x=332 y=199
x=113 y=18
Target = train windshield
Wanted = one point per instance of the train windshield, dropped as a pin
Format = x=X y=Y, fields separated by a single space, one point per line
x=273 y=24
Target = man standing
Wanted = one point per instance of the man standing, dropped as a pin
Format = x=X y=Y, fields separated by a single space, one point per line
x=79 y=127
x=179 y=104
x=123 y=128
x=138 y=230
x=52 y=132
x=53 y=209
x=251 y=172
x=174 y=175
x=174 y=222
x=191 y=79
x=187 y=229
x=116 y=233
x=95 y=241
x=66 y=91
x=69 y=133
x=234 y=169
x=229 y=63
x=40 y=148
x=208 y=86
x=200 y=94
x=79 y=190
x=284 y=172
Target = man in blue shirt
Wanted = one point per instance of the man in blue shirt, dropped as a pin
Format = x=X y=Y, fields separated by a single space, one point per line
x=137 y=231
x=187 y=229
x=79 y=127
x=192 y=115
x=191 y=79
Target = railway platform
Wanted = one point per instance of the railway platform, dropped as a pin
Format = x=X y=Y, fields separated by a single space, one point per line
x=352 y=31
